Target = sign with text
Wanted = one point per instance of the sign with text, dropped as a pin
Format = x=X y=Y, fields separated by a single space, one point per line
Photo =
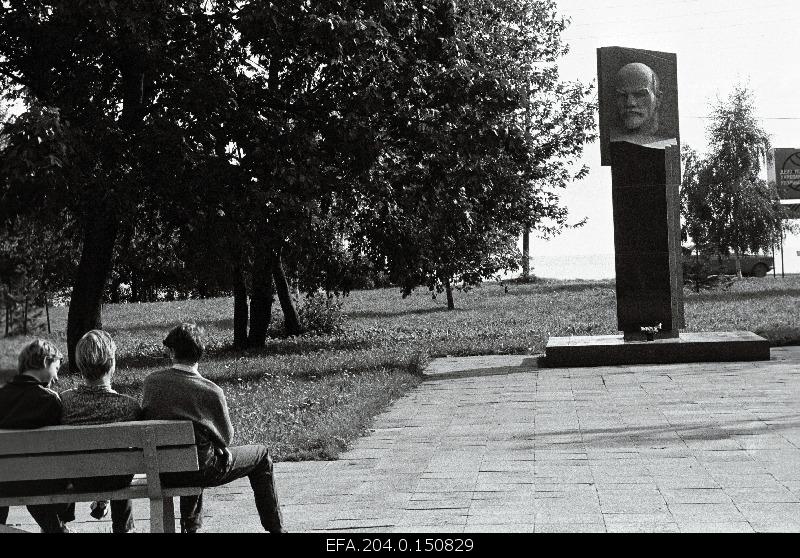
x=638 y=92
x=784 y=169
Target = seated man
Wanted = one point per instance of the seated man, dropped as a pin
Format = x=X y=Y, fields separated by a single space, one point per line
x=28 y=402
x=95 y=402
x=181 y=393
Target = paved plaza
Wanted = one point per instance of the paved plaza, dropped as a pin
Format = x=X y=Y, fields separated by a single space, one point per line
x=494 y=444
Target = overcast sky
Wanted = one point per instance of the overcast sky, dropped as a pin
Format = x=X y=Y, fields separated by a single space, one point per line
x=718 y=43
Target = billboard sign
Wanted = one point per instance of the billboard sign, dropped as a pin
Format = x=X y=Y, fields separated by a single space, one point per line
x=784 y=169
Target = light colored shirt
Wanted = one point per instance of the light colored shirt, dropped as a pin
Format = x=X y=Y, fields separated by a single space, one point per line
x=186 y=368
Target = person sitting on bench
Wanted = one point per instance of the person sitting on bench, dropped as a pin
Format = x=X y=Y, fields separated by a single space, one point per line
x=28 y=402
x=181 y=393
x=95 y=402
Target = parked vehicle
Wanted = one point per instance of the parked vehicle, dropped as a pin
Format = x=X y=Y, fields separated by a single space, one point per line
x=753 y=265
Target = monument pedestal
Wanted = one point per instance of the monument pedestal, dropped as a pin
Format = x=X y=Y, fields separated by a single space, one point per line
x=647 y=239
x=608 y=350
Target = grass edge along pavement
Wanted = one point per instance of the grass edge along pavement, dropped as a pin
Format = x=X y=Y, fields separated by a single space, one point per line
x=307 y=397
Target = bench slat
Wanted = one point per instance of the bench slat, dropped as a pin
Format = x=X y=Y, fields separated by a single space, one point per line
x=116 y=435
x=135 y=491
x=70 y=465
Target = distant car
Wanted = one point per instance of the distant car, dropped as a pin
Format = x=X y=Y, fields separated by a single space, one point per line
x=753 y=265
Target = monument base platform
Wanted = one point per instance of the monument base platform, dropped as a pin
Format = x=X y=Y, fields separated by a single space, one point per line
x=606 y=350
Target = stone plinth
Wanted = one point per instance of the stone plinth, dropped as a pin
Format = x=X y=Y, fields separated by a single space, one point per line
x=607 y=350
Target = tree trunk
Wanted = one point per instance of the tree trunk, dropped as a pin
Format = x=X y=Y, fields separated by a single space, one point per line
x=261 y=300
x=526 y=253
x=449 y=290
x=738 y=260
x=7 y=308
x=135 y=297
x=114 y=295
x=47 y=310
x=697 y=271
x=86 y=303
x=290 y=317
x=239 y=308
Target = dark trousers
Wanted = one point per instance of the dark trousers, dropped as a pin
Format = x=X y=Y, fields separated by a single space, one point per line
x=121 y=510
x=51 y=518
x=253 y=462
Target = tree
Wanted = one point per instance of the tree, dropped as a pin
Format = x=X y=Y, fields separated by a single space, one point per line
x=36 y=261
x=302 y=136
x=478 y=141
x=36 y=257
x=103 y=83
x=725 y=204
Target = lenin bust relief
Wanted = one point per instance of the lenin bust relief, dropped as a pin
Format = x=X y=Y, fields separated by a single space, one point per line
x=638 y=100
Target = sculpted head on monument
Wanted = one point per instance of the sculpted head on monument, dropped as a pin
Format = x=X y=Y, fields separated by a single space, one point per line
x=638 y=97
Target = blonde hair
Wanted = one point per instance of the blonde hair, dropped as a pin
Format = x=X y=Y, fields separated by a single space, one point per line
x=94 y=354
x=36 y=354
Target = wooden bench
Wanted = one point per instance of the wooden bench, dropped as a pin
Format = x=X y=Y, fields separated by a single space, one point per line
x=144 y=448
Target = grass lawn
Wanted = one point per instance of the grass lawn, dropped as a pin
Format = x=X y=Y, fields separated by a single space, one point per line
x=306 y=397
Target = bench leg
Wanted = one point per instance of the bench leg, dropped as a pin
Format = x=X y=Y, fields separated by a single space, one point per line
x=156 y=515
x=169 y=515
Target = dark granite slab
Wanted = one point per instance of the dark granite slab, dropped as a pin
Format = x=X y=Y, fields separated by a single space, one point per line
x=605 y=350
x=646 y=206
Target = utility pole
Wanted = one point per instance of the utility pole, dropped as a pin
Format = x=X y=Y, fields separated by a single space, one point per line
x=782 y=273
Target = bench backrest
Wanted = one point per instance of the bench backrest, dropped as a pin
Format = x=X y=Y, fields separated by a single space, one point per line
x=121 y=448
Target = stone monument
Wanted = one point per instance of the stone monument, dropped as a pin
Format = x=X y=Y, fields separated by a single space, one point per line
x=638 y=92
x=640 y=140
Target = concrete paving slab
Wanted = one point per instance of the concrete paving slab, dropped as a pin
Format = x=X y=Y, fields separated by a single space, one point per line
x=494 y=444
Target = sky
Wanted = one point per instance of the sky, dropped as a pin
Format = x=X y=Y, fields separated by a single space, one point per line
x=718 y=43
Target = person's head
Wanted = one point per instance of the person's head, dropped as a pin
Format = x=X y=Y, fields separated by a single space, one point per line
x=638 y=98
x=95 y=356
x=40 y=359
x=186 y=343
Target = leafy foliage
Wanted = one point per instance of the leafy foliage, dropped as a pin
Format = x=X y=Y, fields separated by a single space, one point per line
x=113 y=91
x=304 y=139
x=37 y=261
x=478 y=142
x=724 y=202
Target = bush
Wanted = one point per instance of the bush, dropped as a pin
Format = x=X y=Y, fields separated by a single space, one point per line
x=321 y=313
x=699 y=275
x=369 y=280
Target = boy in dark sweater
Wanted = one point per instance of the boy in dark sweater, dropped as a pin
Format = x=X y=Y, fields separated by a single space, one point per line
x=181 y=393
x=28 y=402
